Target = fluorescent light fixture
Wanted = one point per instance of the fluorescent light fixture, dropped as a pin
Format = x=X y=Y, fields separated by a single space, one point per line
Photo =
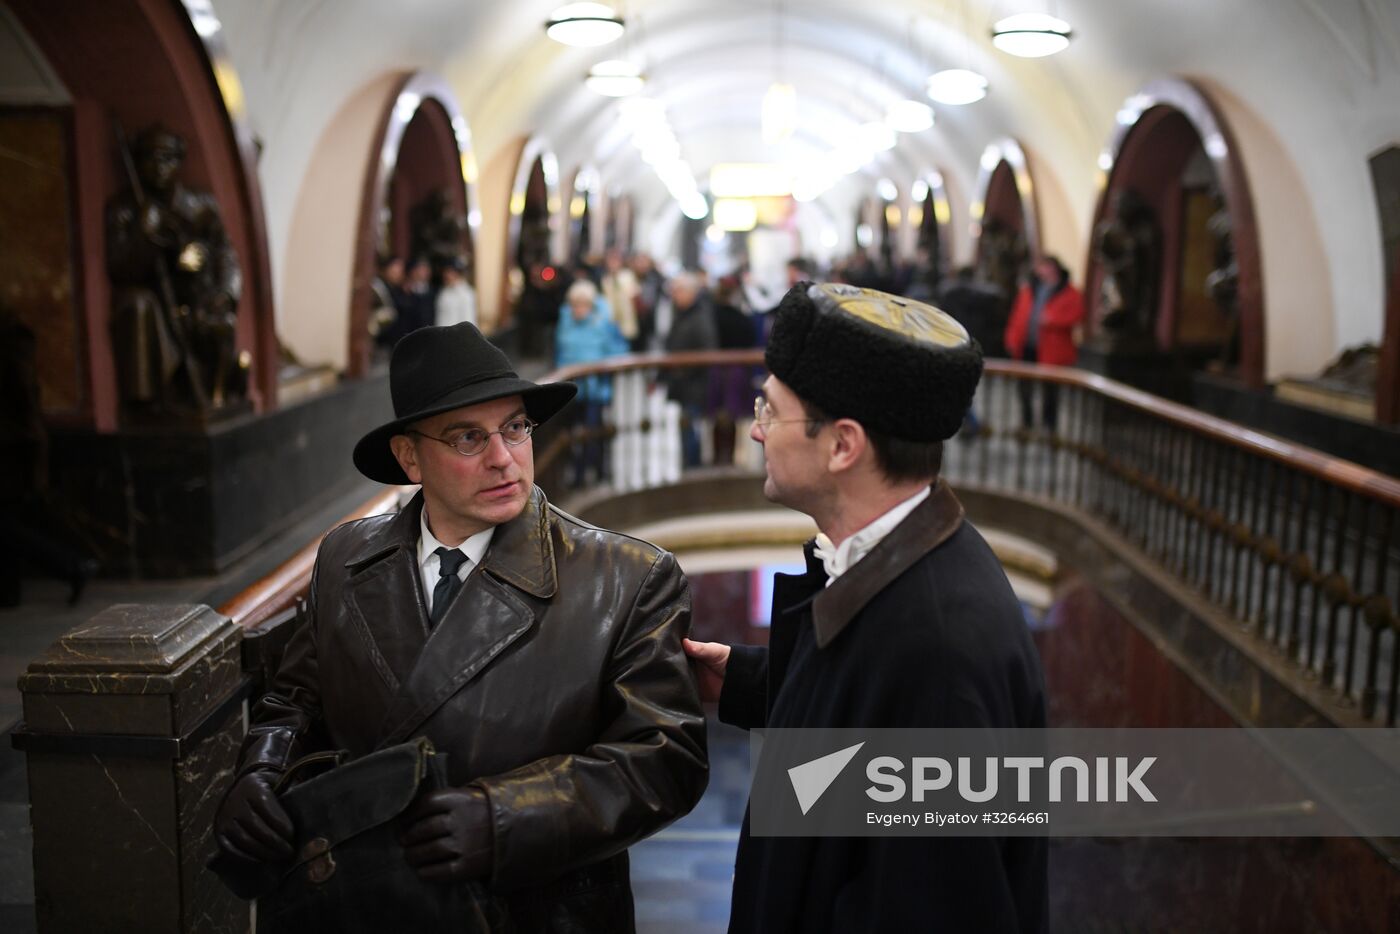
x=735 y=214
x=956 y=87
x=779 y=113
x=584 y=25
x=651 y=133
x=614 y=78
x=641 y=111
x=749 y=180
x=918 y=191
x=908 y=116
x=886 y=190
x=1031 y=35
x=695 y=207
x=661 y=150
x=852 y=157
x=811 y=186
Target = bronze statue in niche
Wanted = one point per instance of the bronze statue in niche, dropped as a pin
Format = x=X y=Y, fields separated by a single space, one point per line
x=438 y=231
x=1128 y=248
x=1002 y=258
x=1223 y=282
x=176 y=284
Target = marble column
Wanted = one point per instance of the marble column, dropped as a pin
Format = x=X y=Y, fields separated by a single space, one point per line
x=132 y=724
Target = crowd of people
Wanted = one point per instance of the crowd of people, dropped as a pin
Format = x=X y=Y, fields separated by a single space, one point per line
x=605 y=306
x=418 y=293
x=615 y=304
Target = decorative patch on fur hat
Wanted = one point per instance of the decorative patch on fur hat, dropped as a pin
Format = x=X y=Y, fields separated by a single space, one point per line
x=900 y=367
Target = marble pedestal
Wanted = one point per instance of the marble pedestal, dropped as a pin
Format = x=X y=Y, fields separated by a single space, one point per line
x=132 y=724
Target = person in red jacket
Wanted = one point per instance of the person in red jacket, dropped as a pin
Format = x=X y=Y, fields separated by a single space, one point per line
x=1040 y=330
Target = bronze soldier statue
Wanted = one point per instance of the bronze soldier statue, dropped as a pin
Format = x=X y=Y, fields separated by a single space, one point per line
x=1126 y=244
x=176 y=286
x=438 y=231
x=1223 y=283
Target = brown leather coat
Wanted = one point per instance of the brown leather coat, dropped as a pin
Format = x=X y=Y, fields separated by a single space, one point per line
x=555 y=681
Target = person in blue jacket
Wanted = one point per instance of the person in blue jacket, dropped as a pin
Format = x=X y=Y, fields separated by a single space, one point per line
x=587 y=334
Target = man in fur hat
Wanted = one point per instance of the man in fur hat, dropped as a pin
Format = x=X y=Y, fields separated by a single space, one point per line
x=904 y=617
x=541 y=654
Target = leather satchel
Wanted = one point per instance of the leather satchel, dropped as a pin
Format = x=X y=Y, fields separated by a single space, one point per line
x=348 y=873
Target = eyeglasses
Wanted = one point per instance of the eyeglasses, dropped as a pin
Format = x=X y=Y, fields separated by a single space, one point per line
x=475 y=440
x=763 y=415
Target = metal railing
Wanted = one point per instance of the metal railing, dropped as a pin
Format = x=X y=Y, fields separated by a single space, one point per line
x=1300 y=549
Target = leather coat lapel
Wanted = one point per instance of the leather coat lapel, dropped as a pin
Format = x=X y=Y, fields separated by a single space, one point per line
x=484 y=619
x=385 y=599
x=930 y=524
x=487 y=616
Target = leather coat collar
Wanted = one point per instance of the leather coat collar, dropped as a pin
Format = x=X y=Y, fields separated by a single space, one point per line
x=930 y=524
x=521 y=553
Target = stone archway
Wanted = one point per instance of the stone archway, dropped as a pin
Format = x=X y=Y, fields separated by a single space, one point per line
x=423 y=146
x=1173 y=152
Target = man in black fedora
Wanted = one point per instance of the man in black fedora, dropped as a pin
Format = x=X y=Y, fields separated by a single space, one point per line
x=542 y=655
x=903 y=619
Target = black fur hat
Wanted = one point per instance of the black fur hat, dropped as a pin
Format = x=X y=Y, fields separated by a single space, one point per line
x=897 y=366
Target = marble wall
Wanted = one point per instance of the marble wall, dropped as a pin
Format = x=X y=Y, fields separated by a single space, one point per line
x=36 y=248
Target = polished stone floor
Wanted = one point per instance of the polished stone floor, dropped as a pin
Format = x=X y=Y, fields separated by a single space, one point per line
x=681 y=877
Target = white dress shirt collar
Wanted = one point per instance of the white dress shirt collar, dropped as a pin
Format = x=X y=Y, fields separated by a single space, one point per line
x=839 y=559
x=428 y=562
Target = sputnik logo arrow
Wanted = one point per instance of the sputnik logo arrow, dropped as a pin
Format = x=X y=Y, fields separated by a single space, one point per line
x=810 y=780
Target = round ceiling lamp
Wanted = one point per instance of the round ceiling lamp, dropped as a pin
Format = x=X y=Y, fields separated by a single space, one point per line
x=957 y=86
x=614 y=78
x=1031 y=35
x=584 y=25
x=908 y=116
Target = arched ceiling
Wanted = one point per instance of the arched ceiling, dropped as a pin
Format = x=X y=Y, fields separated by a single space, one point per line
x=1309 y=86
x=711 y=64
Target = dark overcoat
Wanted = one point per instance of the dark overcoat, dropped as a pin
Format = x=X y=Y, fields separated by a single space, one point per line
x=555 y=681
x=924 y=631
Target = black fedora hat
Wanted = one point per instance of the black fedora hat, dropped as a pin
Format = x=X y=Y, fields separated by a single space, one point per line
x=437 y=370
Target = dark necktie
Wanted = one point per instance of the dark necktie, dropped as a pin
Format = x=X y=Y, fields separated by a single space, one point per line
x=450 y=560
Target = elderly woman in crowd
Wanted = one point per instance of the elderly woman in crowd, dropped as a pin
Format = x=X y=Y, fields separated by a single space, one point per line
x=586 y=334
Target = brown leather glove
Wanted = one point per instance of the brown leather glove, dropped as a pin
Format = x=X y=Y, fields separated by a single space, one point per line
x=251 y=823
x=447 y=835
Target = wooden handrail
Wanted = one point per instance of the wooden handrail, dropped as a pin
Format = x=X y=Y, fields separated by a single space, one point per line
x=1341 y=473
x=275 y=592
